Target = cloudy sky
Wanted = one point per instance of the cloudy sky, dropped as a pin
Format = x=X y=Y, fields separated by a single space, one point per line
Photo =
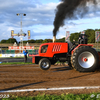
x=39 y=19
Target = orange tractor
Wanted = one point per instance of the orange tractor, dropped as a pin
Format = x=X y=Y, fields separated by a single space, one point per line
x=80 y=56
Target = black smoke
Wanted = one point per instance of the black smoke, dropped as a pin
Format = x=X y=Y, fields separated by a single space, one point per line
x=69 y=9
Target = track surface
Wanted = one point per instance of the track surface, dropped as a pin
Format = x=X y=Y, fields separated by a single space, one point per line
x=13 y=77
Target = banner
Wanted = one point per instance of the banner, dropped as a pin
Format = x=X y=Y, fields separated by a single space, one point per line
x=29 y=34
x=21 y=47
x=19 y=55
x=83 y=32
x=12 y=55
x=12 y=33
x=7 y=55
x=0 y=55
x=97 y=36
x=67 y=36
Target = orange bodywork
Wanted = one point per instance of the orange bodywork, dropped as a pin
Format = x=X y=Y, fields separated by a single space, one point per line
x=81 y=45
x=53 y=48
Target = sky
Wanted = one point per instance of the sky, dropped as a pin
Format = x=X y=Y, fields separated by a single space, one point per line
x=39 y=19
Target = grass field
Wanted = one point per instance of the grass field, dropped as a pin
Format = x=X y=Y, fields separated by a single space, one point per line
x=92 y=96
x=11 y=63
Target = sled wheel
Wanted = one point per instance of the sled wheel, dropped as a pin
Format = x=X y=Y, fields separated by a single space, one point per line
x=85 y=59
x=44 y=64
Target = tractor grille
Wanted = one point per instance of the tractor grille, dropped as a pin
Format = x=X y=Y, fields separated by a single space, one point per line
x=56 y=48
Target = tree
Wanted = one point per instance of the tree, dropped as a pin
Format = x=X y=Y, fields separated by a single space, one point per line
x=25 y=41
x=11 y=40
x=74 y=36
x=90 y=35
x=47 y=41
x=31 y=41
x=60 y=40
x=39 y=41
x=3 y=41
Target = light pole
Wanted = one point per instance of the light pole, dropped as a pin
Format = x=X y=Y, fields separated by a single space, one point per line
x=21 y=32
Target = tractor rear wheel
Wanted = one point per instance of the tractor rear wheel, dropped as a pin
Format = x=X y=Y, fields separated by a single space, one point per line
x=85 y=59
x=44 y=64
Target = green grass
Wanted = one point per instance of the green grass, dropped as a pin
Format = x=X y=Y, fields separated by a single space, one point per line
x=92 y=96
x=11 y=63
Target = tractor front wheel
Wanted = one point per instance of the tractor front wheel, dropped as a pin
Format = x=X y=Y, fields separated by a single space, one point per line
x=85 y=59
x=44 y=64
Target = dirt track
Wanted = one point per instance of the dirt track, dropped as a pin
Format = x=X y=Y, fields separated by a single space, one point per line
x=31 y=77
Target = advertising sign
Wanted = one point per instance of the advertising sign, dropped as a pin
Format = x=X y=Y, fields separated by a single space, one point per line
x=29 y=34
x=67 y=36
x=21 y=47
x=97 y=36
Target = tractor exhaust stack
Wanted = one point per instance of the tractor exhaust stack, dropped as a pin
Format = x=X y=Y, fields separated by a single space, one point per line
x=54 y=39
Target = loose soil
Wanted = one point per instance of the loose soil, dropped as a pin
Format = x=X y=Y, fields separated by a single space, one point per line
x=13 y=77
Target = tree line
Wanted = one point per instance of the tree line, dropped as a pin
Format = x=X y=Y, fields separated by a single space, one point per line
x=13 y=40
x=90 y=33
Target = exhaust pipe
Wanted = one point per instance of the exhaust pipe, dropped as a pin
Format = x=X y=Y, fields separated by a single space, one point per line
x=54 y=39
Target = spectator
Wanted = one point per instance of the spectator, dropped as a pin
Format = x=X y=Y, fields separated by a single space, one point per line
x=25 y=52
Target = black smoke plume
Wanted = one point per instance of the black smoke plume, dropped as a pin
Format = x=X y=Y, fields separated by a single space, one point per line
x=66 y=10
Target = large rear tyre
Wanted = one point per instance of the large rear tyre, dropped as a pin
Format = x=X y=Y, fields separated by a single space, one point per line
x=44 y=64
x=85 y=59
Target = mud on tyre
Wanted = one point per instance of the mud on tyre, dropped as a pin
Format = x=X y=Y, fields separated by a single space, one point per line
x=85 y=59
